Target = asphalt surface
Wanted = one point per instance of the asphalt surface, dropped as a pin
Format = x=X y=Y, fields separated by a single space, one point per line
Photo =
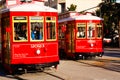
x=104 y=68
x=112 y=49
x=112 y=52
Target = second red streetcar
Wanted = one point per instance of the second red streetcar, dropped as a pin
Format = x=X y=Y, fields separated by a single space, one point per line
x=80 y=35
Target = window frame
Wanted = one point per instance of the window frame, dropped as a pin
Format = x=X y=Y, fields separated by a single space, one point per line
x=83 y=26
x=53 y=21
x=19 y=20
x=36 y=21
x=100 y=26
x=93 y=27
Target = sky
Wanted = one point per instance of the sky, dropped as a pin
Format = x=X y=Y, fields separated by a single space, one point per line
x=117 y=1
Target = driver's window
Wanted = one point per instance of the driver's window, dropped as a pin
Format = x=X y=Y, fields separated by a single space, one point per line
x=20 y=28
x=81 y=28
x=91 y=30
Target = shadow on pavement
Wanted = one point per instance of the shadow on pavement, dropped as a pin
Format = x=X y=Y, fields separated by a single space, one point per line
x=4 y=74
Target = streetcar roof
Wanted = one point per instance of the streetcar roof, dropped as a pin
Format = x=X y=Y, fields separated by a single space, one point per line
x=87 y=17
x=80 y=17
x=66 y=19
x=30 y=7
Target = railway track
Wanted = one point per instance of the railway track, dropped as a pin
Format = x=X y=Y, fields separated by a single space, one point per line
x=110 y=63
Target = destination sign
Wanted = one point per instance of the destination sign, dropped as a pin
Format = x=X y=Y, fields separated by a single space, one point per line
x=20 y=18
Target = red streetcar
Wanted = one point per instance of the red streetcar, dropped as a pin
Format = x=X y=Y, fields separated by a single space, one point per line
x=80 y=36
x=29 y=37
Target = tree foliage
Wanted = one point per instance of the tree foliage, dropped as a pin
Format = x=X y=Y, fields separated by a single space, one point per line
x=72 y=7
x=110 y=12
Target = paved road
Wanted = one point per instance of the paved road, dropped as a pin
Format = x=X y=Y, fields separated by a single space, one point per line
x=105 y=68
x=68 y=70
x=113 y=52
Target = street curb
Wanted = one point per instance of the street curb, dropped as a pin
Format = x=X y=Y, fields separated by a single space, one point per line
x=112 y=49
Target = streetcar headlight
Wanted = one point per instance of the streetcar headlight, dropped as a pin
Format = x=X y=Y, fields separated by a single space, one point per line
x=91 y=45
x=38 y=52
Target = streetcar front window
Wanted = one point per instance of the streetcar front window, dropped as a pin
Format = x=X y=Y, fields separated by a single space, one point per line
x=51 y=28
x=20 y=28
x=20 y=31
x=81 y=30
x=91 y=30
x=99 y=31
x=36 y=28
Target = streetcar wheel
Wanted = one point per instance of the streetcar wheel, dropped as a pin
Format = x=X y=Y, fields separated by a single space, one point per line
x=86 y=57
x=55 y=66
x=100 y=55
x=75 y=57
x=25 y=71
x=92 y=57
x=42 y=69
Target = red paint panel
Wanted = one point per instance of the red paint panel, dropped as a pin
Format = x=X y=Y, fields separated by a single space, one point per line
x=27 y=53
x=87 y=46
x=33 y=13
x=52 y=52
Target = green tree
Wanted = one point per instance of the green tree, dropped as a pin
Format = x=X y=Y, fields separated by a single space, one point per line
x=72 y=7
x=110 y=12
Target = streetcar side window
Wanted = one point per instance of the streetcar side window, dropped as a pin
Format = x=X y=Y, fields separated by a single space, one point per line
x=91 y=30
x=99 y=31
x=61 y=32
x=20 y=28
x=51 y=28
x=36 y=28
x=81 y=30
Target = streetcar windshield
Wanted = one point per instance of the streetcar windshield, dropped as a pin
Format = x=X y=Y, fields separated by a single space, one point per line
x=50 y=28
x=91 y=30
x=99 y=31
x=36 y=28
x=20 y=28
x=81 y=30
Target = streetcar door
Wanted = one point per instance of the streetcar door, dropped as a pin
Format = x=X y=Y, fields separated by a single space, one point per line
x=5 y=41
x=69 y=39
